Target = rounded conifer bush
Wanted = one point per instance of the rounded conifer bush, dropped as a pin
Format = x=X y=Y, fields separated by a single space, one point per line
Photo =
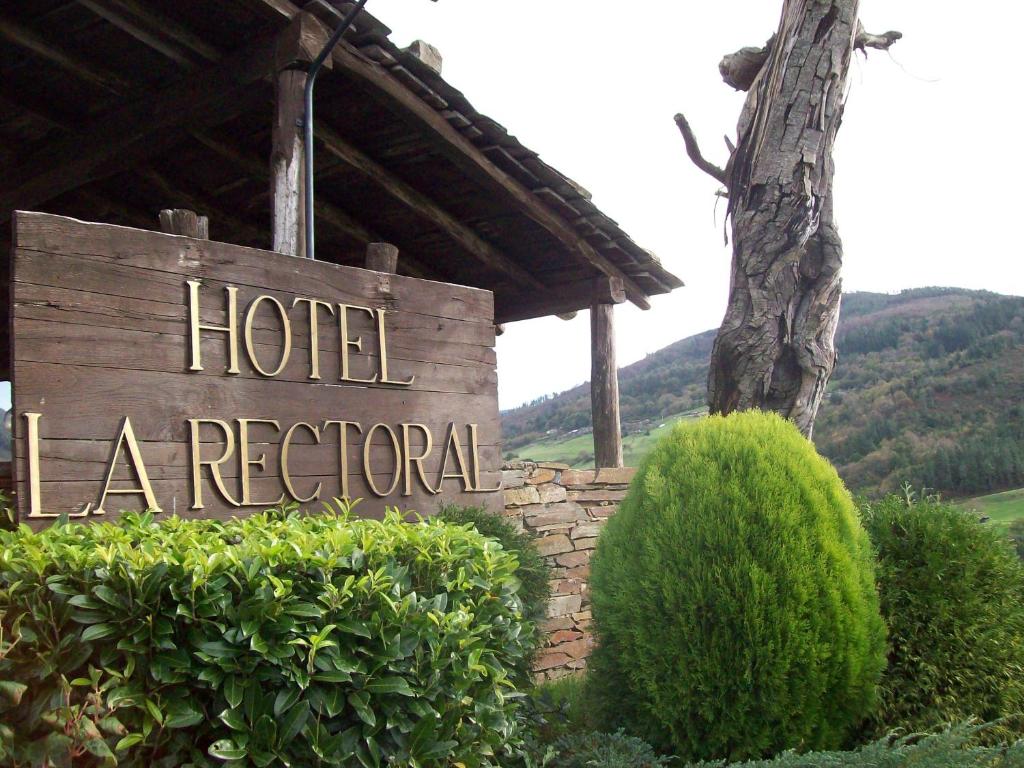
x=734 y=597
x=952 y=594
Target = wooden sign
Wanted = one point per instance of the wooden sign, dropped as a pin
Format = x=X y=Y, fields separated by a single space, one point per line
x=206 y=379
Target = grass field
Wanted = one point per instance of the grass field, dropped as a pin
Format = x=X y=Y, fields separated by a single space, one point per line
x=1003 y=508
x=578 y=451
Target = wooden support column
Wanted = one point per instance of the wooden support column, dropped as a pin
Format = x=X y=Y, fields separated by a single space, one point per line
x=382 y=257
x=297 y=47
x=181 y=221
x=604 y=387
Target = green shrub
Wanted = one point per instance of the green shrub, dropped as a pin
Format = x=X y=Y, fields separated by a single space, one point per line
x=954 y=748
x=952 y=594
x=604 y=750
x=273 y=640
x=533 y=571
x=734 y=597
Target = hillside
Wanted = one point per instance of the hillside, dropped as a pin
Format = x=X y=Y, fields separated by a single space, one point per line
x=929 y=390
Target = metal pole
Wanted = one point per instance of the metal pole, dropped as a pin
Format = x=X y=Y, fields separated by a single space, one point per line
x=307 y=122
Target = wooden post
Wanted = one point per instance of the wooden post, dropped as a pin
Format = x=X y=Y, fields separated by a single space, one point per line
x=297 y=47
x=382 y=257
x=604 y=387
x=181 y=221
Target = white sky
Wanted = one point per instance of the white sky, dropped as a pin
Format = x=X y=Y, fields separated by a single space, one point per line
x=928 y=159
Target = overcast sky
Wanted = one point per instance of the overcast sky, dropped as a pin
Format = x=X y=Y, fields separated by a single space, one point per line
x=928 y=158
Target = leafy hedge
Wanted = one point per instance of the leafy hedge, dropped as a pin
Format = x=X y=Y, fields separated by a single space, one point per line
x=734 y=597
x=952 y=594
x=534 y=573
x=277 y=639
x=959 y=747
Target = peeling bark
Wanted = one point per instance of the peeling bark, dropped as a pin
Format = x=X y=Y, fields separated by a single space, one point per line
x=775 y=349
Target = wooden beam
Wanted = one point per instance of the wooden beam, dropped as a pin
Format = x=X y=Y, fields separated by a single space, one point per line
x=465 y=154
x=604 y=387
x=569 y=298
x=128 y=136
x=86 y=70
x=155 y=30
x=423 y=206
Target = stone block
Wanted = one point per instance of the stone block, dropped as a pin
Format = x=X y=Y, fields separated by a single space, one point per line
x=603 y=512
x=600 y=494
x=549 y=660
x=586 y=530
x=551 y=493
x=558 y=466
x=578 y=477
x=512 y=478
x=564 y=636
x=582 y=544
x=518 y=497
x=616 y=476
x=541 y=475
x=556 y=624
x=577 y=649
x=541 y=515
x=564 y=605
x=573 y=559
x=554 y=545
x=580 y=573
x=566 y=587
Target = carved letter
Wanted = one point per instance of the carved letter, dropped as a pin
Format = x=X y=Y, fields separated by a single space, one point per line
x=346 y=342
x=286 y=444
x=343 y=452
x=134 y=456
x=231 y=329
x=383 y=343
x=463 y=474
x=286 y=328
x=261 y=462
x=314 y=332
x=368 y=471
x=417 y=460
x=214 y=464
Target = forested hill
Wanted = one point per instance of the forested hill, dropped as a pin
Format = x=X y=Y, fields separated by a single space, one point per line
x=929 y=390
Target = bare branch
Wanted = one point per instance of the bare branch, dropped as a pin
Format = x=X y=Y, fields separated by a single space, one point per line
x=693 y=150
x=883 y=42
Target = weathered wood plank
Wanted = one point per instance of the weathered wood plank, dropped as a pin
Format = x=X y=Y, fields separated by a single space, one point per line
x=103 y=334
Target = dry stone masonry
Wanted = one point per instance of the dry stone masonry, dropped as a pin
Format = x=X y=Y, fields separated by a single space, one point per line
x=565 y=509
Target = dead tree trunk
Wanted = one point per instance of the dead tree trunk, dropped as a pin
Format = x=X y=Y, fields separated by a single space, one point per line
x=775 y=349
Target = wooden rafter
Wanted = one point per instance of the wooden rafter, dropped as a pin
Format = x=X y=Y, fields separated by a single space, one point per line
x=139 y=130
x=465 y=155
x=423 y=206
x=328 y=213
x=86 y=70
x=155 y=30
x=571 y=297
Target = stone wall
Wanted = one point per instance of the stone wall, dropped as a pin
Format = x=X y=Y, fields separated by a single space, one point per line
x=565 y=509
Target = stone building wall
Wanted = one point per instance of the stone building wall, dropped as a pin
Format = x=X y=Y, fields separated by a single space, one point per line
x=565 y=509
